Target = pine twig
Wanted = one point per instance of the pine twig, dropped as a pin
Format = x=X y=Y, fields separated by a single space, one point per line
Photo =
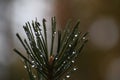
x=44 y=65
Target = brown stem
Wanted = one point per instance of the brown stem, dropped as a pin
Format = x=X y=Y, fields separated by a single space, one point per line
x=50 y=69
x=50 y=72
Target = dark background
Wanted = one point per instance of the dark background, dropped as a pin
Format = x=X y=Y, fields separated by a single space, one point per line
x=101 y=18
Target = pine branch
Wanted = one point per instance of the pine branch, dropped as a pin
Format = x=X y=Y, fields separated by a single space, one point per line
x=43 y=65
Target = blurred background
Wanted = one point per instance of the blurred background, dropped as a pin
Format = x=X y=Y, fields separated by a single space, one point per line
x=101 y=18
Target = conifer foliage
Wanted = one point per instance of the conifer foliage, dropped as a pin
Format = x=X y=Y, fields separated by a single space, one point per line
x=44 y=64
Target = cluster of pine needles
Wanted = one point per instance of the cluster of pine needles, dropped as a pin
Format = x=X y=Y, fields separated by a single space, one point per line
x=44 y=64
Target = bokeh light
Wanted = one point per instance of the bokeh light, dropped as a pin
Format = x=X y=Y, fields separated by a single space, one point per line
x=113 y=71
x=104 y=33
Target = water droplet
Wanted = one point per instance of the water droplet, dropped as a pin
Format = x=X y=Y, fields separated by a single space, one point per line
x=54 y=32
x=40 y=36
x=73 y=61
x=68 y=76
x=25 y=66
x=56 y=58
x=41 y=64
x=37 y=63
x=35 y=33
x=58 y=69
x=69 y=45
x=34 y=76
x=68 y=57
x=33 y=66
x=74 y=69
x=33 y=61
x=73 y=52
x=41 y=55
x=84 y=38
x=76 y=35
x=30 y=54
